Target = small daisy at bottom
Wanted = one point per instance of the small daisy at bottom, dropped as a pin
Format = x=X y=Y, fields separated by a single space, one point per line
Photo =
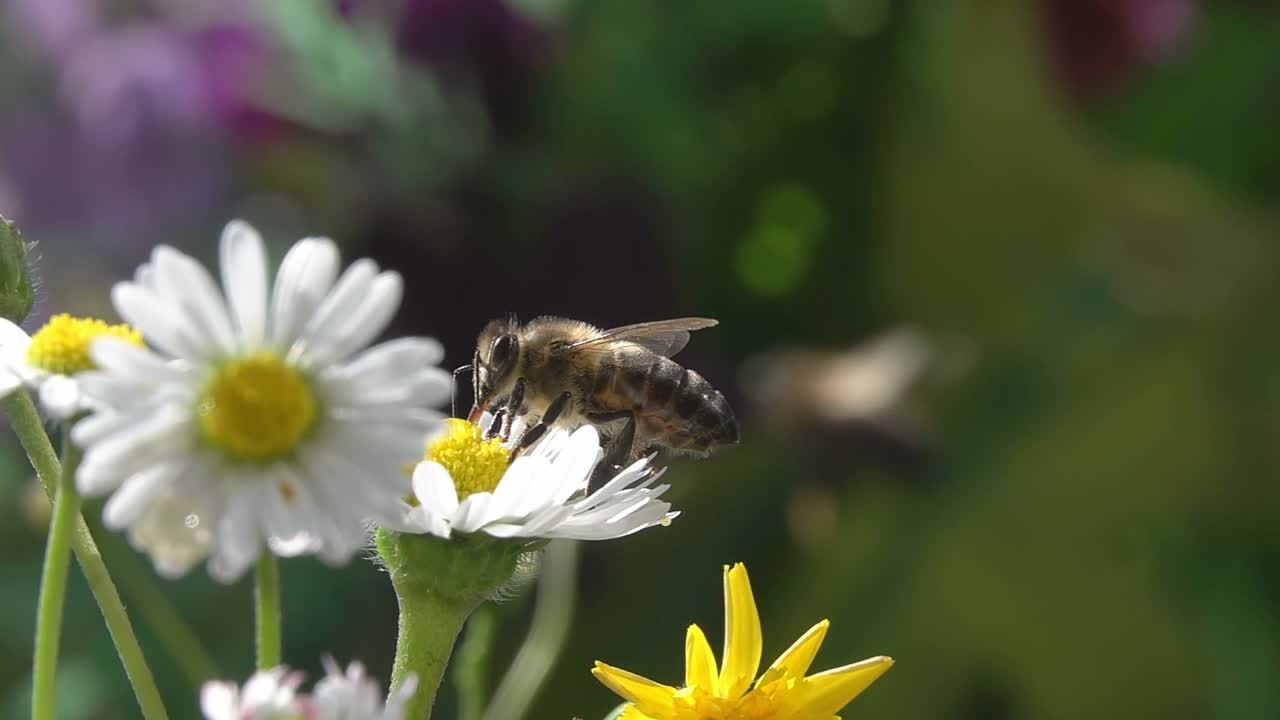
x=273 y=695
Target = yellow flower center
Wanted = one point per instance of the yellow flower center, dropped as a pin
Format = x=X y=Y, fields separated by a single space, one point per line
x=62 y=345
x=475 y=464
x=257 y=407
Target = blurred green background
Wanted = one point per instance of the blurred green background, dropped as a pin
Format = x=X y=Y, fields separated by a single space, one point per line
x=997 y=283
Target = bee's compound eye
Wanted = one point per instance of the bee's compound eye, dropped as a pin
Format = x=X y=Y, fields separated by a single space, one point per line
x=504 y=349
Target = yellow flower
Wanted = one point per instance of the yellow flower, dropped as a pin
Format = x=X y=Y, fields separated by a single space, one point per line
x=782 y=692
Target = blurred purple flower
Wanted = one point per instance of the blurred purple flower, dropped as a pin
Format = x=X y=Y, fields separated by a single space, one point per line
x=189 y=70
x=118 y=79
x=163 y=74
x=139 y=140
x=1098 y=45
x=64 y=181
x=51 y=27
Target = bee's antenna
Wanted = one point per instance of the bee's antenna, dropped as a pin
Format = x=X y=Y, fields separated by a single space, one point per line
x=453 y=394
x=475 y=377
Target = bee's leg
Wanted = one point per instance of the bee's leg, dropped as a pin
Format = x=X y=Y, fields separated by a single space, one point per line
x=513 y=407
x=538 y=429
x=617 y=453
x=453 y=394
x=503 y=423
x=500 y=420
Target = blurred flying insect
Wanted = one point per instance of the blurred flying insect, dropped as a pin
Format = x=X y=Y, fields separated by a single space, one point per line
x=556 y=371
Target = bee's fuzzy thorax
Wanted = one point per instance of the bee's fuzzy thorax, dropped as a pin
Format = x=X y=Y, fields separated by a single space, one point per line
x=570 y=330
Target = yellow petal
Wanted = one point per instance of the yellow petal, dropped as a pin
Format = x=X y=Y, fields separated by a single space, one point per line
x=827 y=692
x=795 y=661
x=649 y=697
x=742 y=636
x=631 y=712
x=699 y=662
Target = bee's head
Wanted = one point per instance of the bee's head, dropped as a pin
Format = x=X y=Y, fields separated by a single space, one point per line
x=496 y=361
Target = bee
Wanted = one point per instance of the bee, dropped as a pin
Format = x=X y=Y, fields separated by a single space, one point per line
x=556 y=371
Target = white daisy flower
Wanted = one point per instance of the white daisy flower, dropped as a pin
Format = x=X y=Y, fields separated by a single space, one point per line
x=353 y=695
x=470 y=484
x=50 y=361
x=273 y=695
x=268 y=695
x=259 y=417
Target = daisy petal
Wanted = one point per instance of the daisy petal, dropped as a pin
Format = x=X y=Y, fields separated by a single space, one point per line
x=473 y=513
x=361 y=323
x=434 y=488
x=573 y=469
x=136 y=494
x=523 y=489
x=286 y=524
x=8 y=382
x=100 y=426
x=138 y=364
x=394 y=358
x=107 y=463
x=145 y=276
x=185 y=283
x=174 y=529
x=305 y=277
x=244 y=275
x=421 y=520
x=321 y=333
x=239 y=542
x=14 y=342
x=158 y=321
x=60 y=397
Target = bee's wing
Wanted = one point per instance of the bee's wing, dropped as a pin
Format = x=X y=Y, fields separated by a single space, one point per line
x=664 y=337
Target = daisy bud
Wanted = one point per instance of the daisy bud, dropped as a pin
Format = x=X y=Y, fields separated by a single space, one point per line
x=15 y=274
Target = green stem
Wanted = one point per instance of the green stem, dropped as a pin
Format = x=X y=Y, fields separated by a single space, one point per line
x=429 y=625
x=552 y=618
x=184 y=647
x=438 y=584
x=53 y=588
x=267 y=602
x=27 y=426
x=118 y=625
